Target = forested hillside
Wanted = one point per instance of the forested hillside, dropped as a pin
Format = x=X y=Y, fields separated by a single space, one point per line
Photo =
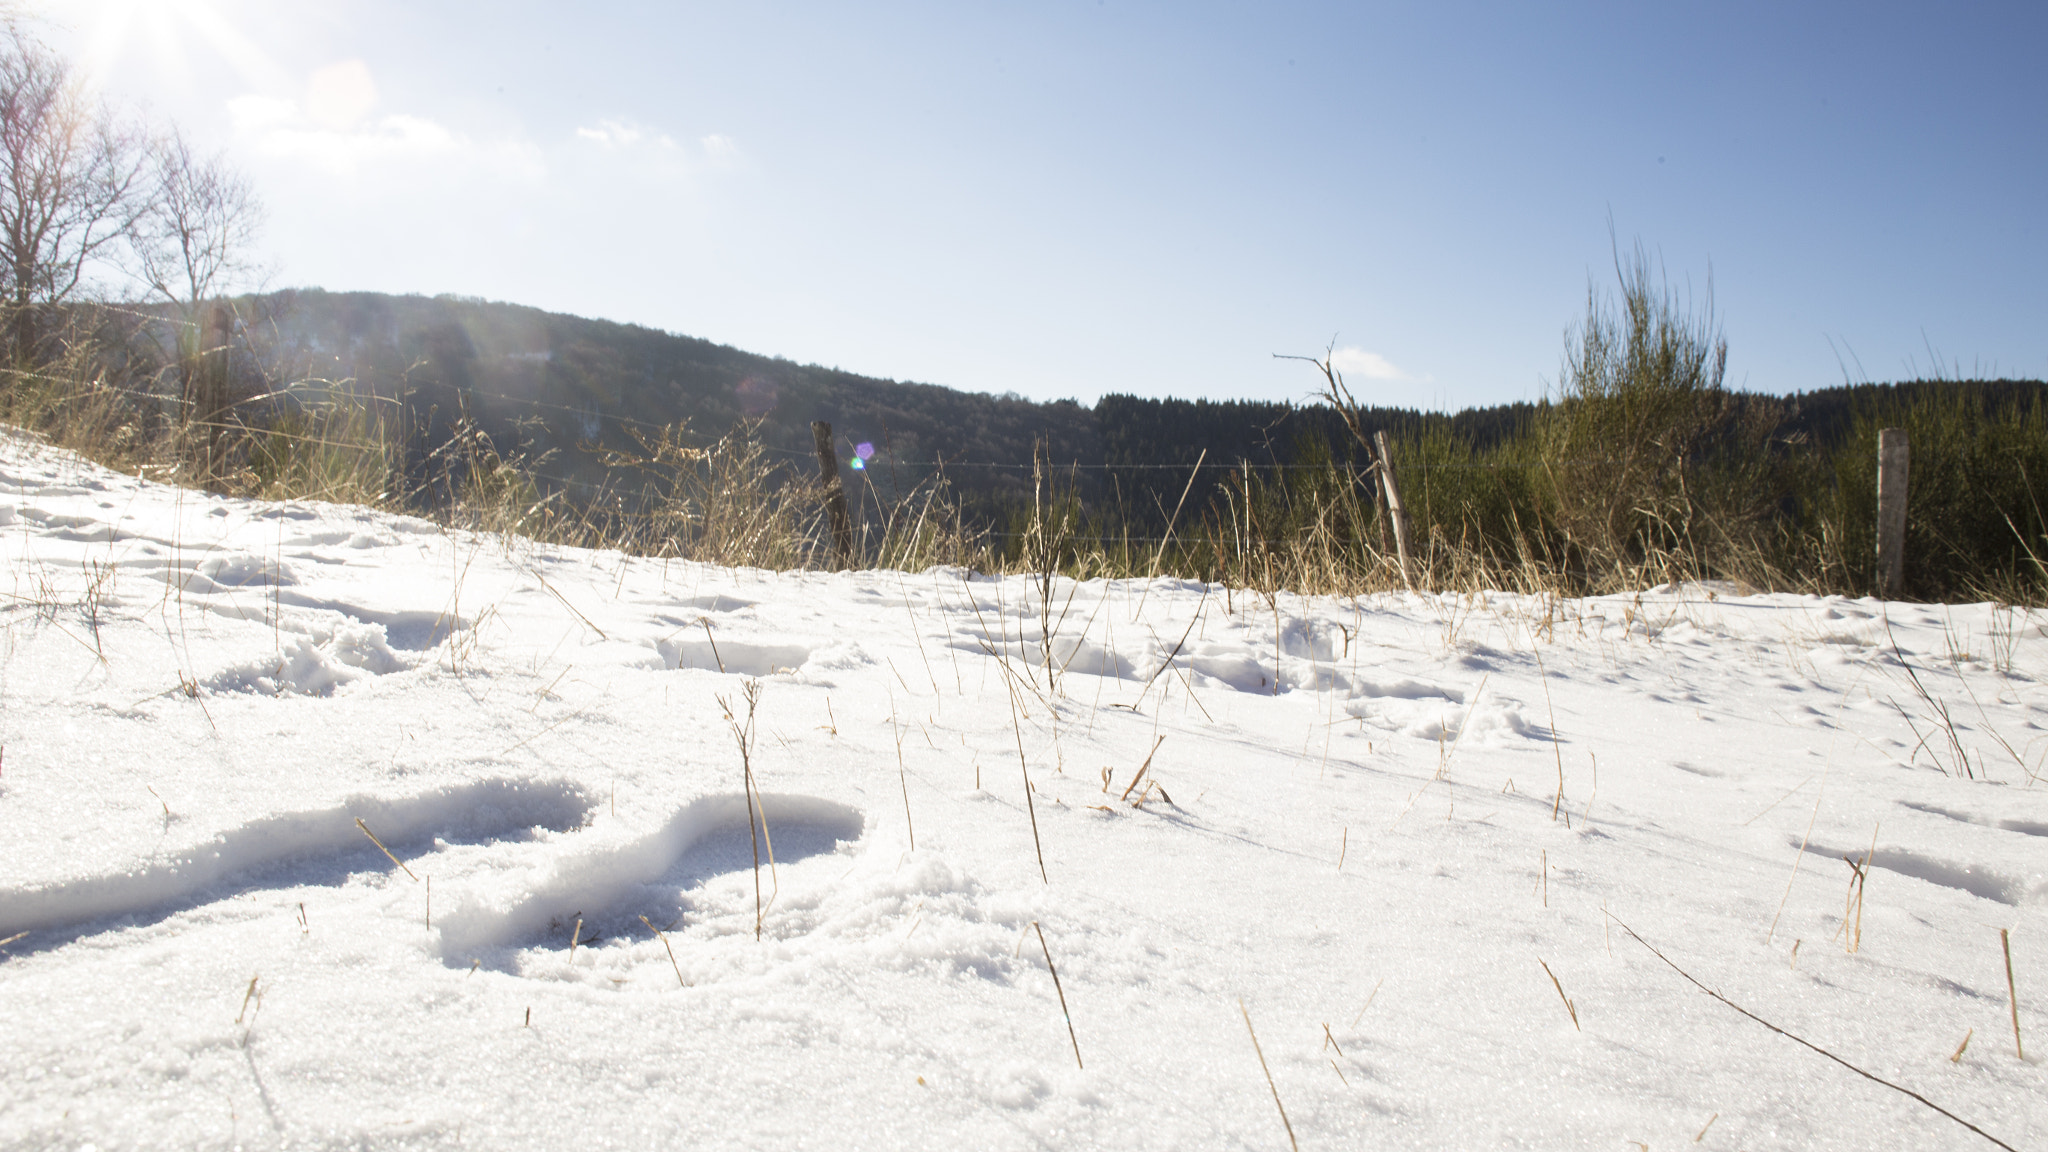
x=561 y=391
x=540 y=382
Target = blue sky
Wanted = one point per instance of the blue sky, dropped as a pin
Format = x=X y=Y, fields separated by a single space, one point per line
x=1067 y=199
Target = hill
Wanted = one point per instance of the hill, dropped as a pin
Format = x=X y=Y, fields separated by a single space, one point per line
x=570 y=398
x=546 y=383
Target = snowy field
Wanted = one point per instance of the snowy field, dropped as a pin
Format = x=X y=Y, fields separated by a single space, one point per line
x=1405 y=839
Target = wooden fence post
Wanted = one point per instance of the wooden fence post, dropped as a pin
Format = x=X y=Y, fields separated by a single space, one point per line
x=835 y=492
x=1379 y=506
x=1892 y=456
x=1398 y=512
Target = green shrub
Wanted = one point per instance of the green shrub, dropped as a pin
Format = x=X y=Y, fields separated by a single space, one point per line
x=1977 y=485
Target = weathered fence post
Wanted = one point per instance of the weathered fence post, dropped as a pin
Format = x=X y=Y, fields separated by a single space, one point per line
x=1398 y=512
x=835 y=492
x=1891 y=511
x=1379 y=506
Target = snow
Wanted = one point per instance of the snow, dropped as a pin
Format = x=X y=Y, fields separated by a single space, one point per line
x=1348 y=832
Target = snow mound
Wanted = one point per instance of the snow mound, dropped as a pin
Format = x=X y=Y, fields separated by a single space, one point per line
x=310 y=668
x=480 y=810
x=609 y=884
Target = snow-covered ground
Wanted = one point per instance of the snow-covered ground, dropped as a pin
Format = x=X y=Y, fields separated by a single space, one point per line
x=1348 y=835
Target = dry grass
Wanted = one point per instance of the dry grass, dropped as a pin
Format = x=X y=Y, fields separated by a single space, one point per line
x=1561 y=511
x=743 y=732
x=382 y=848
x=1568 y=1005
x=1808 y=1044
x=2012 y=993
x=1056 y=987
x=1273 y=1087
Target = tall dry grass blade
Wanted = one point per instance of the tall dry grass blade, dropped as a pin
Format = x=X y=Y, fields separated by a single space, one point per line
x=246 y=997
x=383 y=849
x=1799 y=859
x=1062 y=994
x=902 y=773
x=757 y=821
x=2012 y=994
x=1270 y=1085
x=1030 y=806
x=1368 y=1002
x=1543 y=675
x=1126 y=795
x=1810 y=1045
x=1568 y=1005
x=663 y=936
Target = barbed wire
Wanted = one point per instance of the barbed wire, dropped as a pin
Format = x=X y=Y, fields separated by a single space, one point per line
x=1227 y=466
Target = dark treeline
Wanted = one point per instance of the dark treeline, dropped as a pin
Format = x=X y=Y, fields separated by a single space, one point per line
x=1150 y=446
x=414 y=402
x=1827 y=416
x=571 y=397
x=522 y=420
x=562 y=390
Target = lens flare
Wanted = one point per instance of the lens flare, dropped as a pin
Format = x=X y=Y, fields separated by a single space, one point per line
x=757 y=396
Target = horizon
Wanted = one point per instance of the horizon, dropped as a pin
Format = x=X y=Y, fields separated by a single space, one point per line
x=1307 y=401
x=1117 y=198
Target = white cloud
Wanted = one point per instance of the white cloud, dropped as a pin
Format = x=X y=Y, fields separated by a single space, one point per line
x=333 y=128
x=612 y=134
x=1354 y=361
x=282 y=128
x=718 y=150
x=618 y=134
x=723 y=151
x=659 y=154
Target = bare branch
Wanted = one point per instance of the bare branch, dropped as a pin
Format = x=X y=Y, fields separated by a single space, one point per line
x=192 y=241
x=70 y=181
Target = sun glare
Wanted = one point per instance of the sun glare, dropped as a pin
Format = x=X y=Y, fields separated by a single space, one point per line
x=171 y=38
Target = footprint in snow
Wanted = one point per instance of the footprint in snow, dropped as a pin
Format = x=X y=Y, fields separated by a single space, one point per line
x=1429 y=711
x=2024 y=827
x=694 y=873
x=1975 y=879
x=511 y=905
x=321 y=846
x=734 y=657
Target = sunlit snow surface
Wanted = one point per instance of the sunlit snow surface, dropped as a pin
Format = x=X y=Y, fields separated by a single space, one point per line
x=200 y=698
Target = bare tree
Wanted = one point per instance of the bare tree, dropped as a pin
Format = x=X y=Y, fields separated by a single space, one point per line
x=193 y=237
x=191 y=242
x=1387 y=491
x=70 y=175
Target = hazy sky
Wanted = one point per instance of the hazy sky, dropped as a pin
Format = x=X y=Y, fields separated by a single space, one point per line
x=1071 y=198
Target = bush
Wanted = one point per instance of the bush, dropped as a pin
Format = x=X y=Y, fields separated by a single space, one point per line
x=1642 y=444
x=1977 y=486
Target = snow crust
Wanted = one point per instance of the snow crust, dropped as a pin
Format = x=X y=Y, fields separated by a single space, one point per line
x=1406 y=836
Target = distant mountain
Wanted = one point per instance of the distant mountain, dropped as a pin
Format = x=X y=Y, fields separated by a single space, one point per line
x=545 y=382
